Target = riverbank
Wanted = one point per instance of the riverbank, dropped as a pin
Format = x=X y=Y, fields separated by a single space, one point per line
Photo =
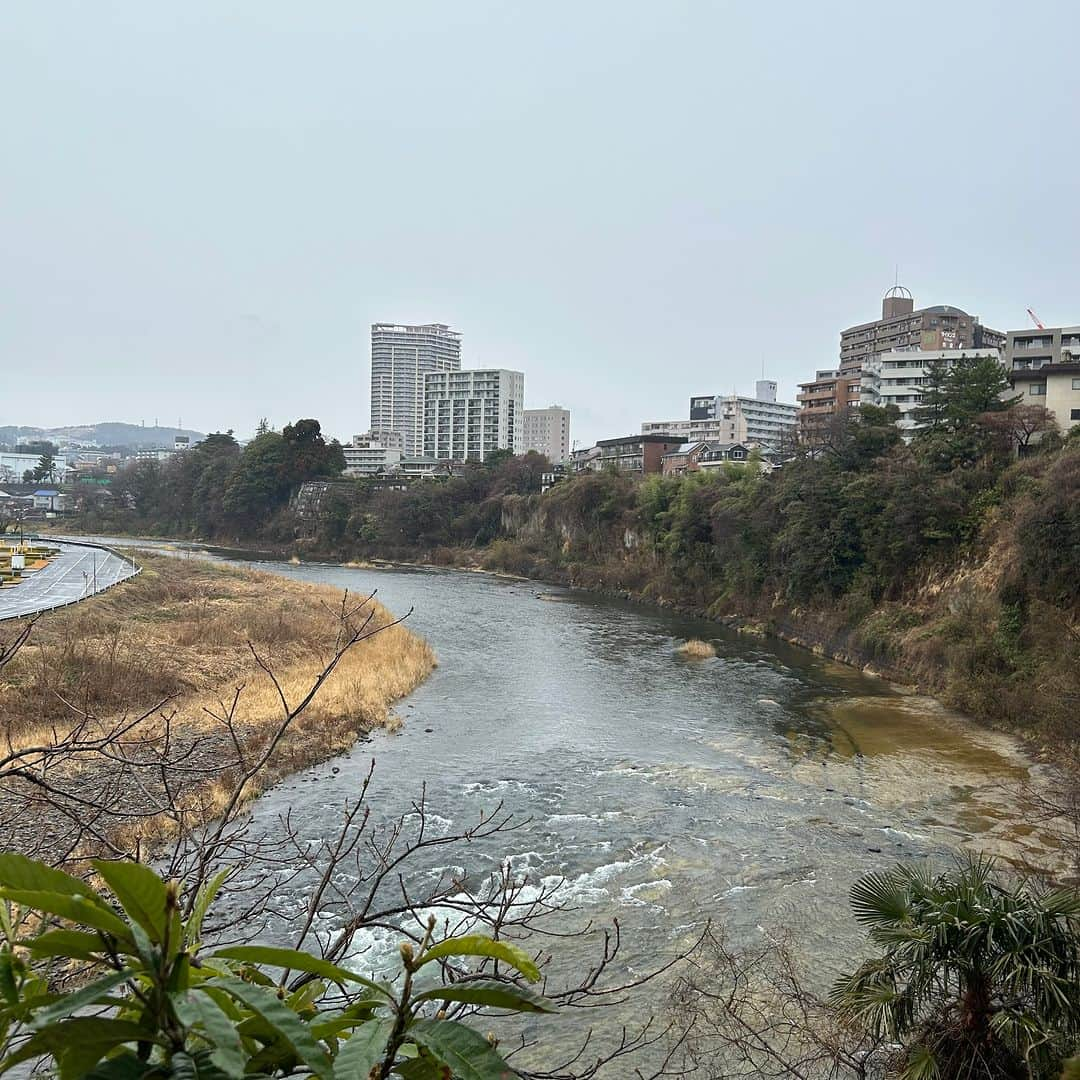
x=966 y=633
x=177 y=642
x=939 y=640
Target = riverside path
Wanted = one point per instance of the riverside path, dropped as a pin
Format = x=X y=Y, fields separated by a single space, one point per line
x=79 y=571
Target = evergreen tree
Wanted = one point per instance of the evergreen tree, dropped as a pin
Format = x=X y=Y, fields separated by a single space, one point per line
x=933 y=412
x=46 y=466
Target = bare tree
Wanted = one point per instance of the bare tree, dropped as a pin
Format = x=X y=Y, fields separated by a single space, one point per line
x=748 y=1012
x=1019 y=424
x=152 y=778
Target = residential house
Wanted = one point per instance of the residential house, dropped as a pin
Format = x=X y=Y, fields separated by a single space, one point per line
x=685 y=458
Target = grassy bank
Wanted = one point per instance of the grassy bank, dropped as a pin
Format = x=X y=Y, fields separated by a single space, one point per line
x=176 y=642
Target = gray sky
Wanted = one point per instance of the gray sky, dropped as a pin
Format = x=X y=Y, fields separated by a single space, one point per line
x=205 y=204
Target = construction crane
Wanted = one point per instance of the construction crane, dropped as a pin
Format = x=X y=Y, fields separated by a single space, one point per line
x=1035 y=319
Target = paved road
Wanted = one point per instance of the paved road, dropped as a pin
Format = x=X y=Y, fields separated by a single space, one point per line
x=76 y=573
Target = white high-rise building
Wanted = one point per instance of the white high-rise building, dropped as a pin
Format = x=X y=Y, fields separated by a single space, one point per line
x=547 y=431
x=470 y=414
x=401 y=356
x=734 y=419
x=899 y=378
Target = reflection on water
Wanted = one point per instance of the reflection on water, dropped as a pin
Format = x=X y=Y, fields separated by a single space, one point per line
x=755 y=786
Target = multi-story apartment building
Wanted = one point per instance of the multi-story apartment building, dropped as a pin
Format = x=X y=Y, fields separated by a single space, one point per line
x=1044 y=366
x=471 y=414
x=636 y=454
x=586 y=459
x=899 y=377
x=901 y=326
x=366 y=456
x=392 y=440
x=1026 y=349
x=731 y=418
x=401 y=356
x=547 y=431
x=829 y=393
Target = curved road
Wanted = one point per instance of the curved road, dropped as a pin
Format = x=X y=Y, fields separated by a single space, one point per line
x=79 y=571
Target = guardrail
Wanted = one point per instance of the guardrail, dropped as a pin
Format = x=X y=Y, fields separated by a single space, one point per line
x=136 y=569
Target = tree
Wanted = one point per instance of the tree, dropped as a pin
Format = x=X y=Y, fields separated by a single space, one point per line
x=308 y=456
x=1018 y=424
x=956 y=395
x=955 y=400
x=260 y=482
x=46 y=467
x=933 y=413
x=854 y=438
x=145 y=954
x=519 y=475
x=977 y=385
x=975 y=977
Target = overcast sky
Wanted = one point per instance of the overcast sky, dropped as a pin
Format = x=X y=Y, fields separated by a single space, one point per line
x=204 y=205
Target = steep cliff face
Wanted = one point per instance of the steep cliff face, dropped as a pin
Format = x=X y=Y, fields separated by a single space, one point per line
x=973 y=626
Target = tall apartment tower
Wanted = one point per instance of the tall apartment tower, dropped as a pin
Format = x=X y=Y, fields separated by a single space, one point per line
x=547 y=431
x=401 y=356
x=471 y=414
x=902 y=327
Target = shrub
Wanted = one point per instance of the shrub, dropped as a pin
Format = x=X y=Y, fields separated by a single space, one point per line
x=167 y=1007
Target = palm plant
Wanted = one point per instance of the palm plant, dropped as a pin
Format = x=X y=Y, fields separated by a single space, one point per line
x=977 y=976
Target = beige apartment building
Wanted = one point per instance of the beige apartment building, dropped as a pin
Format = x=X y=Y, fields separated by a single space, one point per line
x=547 y=432
x=1044 y=366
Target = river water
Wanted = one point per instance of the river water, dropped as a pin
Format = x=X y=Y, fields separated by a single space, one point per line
x=751 y=788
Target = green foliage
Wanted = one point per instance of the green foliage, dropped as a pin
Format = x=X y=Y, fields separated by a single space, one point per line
x=166 y=1007
x=46 y=466
x=217 y=490
x=954 y=399
x=973 y=976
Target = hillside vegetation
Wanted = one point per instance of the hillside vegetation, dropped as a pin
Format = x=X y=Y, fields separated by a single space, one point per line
x=951 y=563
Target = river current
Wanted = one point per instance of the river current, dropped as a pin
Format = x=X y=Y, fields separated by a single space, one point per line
x=751 y=788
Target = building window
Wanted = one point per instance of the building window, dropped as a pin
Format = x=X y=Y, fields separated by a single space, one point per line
x=1074 y=414
x=1037 y=389
x=1076 y=384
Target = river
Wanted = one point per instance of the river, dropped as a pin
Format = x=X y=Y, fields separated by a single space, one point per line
x=751 y=788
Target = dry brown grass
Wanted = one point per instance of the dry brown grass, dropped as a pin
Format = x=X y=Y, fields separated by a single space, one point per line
x=696 y=649
x=181 y=630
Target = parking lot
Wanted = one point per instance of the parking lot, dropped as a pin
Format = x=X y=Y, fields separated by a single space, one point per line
x=76 y=573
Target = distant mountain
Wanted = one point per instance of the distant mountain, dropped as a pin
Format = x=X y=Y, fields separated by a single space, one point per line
x=99 y=435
